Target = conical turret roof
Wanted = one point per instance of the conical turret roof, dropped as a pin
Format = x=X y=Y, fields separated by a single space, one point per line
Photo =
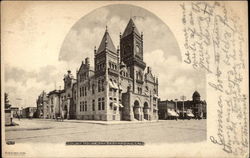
x=130 y=27
x=106 y=42
x=196 y=94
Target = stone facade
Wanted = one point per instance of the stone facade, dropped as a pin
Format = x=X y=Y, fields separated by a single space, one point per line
x=117 y=88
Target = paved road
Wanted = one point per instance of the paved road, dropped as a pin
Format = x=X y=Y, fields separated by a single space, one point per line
x=171 y=131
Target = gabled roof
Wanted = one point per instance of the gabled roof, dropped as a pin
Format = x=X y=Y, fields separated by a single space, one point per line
x=106 y=40
x=129 y=29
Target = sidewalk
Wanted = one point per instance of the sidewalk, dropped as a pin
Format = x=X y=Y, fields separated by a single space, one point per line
x=102 y=122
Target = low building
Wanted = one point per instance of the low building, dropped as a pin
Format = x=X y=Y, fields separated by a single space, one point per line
x=197 y=107
x=15 y=112
x=29 y=112
x=167 y=109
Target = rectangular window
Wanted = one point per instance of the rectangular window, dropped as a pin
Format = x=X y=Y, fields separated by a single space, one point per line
x=80 y=91
x=85 y=91
x=93 y=89
x=103 y=104
x=93 y=105
x=102 y=84
x=99 y=103
x=99 y=85
x=86 y=106
x=80 y=106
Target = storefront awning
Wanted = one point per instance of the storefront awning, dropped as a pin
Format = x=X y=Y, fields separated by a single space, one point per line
x=117 y=105
x=113 y=85
x=155 y=96
x=121 y=105
x=172 y=113
x=190 y=114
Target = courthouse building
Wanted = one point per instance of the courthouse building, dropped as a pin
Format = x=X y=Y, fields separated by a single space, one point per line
x=118 y=87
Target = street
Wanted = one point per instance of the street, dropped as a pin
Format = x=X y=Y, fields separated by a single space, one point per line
x=51 y=131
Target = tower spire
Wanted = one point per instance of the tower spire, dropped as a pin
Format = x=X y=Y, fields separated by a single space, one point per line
x=130 y=28
x=106 y=43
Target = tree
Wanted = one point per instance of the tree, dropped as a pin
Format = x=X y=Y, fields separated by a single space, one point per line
x=6 y=101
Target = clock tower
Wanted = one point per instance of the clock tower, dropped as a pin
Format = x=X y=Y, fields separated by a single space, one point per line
x=131 y=46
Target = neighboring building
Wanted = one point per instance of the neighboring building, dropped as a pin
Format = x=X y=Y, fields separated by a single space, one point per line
x=8 y=117
x=54 y=99
x=197 y=106
x=42 y=106
x=167 y=109
x=29 y=112
x=117 y=88
x=15 y=111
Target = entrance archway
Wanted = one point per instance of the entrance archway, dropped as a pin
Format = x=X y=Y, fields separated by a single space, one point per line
x=136 y=110
x=146 y=111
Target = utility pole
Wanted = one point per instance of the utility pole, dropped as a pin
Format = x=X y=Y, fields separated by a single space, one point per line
x=183 y=98
x=176 y=100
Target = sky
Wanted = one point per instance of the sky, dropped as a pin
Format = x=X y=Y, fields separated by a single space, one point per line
x=39 y=48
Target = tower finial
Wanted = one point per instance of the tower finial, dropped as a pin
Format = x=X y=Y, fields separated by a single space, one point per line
x=95 y=50
x=106 y=28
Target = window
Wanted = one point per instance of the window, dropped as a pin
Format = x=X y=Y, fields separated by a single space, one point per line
x=80 y=106
x=102 y=84
x=86 y=106
x=110 y=106
x=103 y=104
x=93 y=89
x=83 y=91
x=80 y=91
x=99 y=85
x=99 y=103
x=93 y=105
x=85 y=88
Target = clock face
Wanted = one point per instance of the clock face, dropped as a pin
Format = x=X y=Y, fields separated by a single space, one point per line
x=127 y=49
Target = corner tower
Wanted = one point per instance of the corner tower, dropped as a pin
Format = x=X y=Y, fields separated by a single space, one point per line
x=105 y=55
x=131 y=45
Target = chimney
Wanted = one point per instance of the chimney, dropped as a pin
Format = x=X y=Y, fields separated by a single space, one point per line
x=87 y=61
x=149 y=69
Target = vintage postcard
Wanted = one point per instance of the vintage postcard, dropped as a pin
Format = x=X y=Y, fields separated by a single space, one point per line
x=124 y=79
